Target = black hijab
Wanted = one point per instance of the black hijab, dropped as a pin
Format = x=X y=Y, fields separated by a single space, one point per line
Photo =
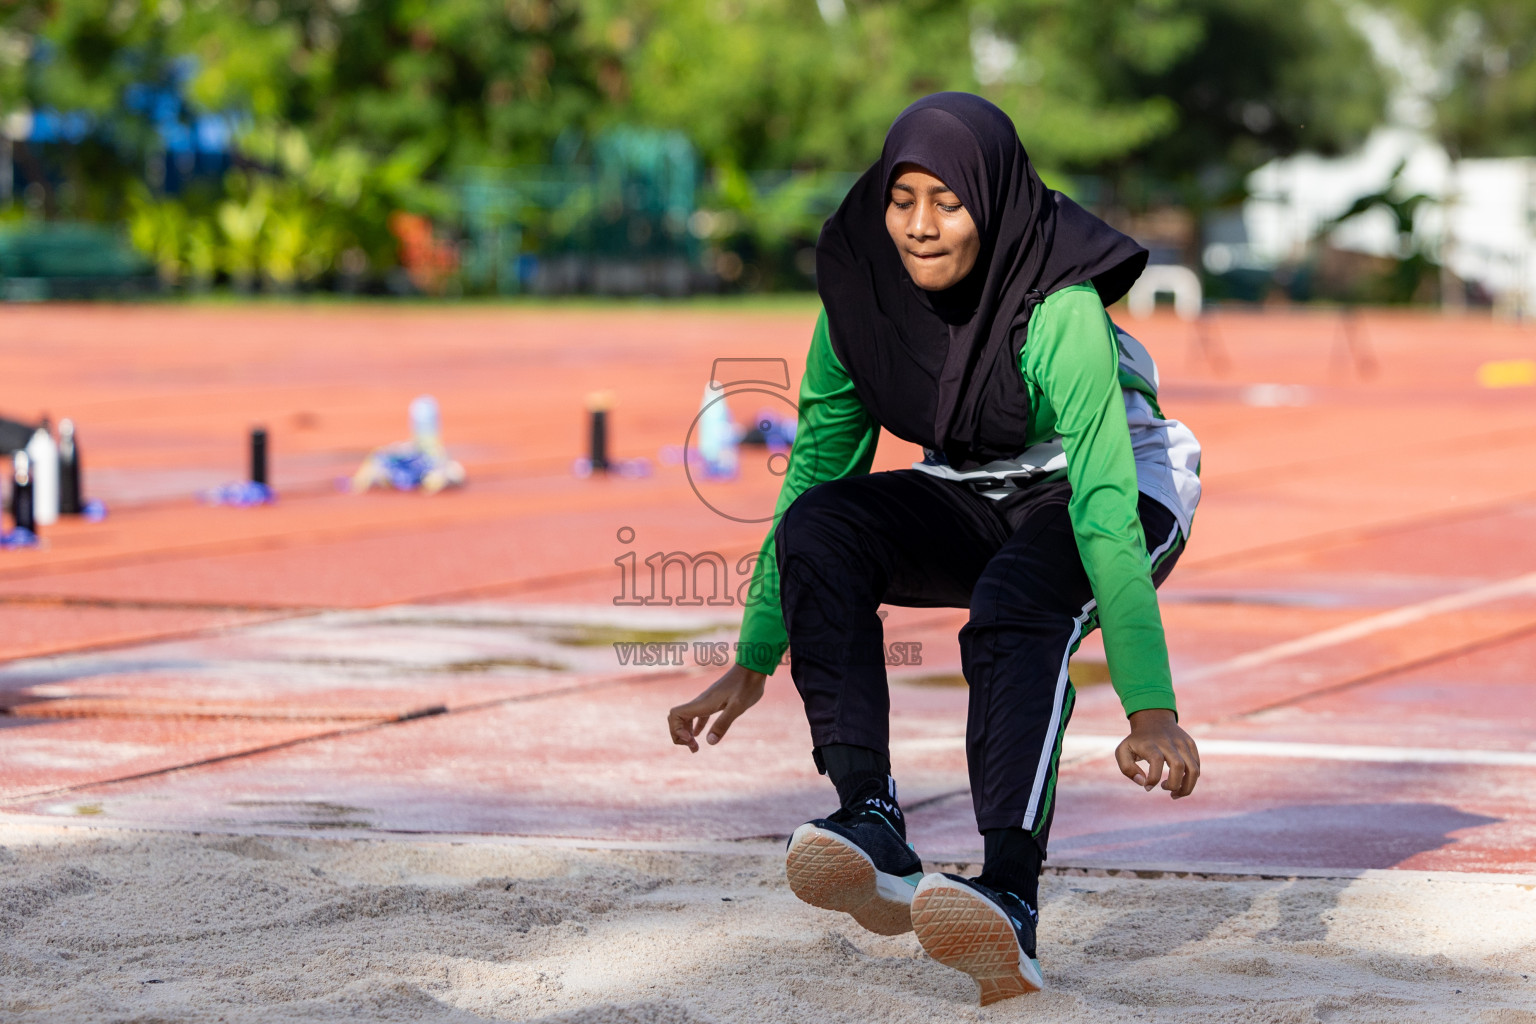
x=942 y=368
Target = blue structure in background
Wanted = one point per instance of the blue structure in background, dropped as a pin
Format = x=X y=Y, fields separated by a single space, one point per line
x=615 y=213
x=155 y=135
x=189 y=145
x=194 y=145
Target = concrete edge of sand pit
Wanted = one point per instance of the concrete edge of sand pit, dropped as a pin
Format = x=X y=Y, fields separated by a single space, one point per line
x=767 y=846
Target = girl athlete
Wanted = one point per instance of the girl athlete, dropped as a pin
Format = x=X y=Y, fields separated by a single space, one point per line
x=965 y=311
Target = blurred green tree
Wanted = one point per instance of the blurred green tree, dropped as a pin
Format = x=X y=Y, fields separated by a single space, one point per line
x=355 y=108
x=376 y=105
x=81 y=58
x=1480 y=78
x=466 y=83
x=1413 y=264
x=351 y=109
x=1267 y=78
x=1171 y=86
x=1467 y=74
x=1162 y=101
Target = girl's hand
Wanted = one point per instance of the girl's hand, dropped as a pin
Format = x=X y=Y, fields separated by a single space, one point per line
x=730 y=695
x=1157 y=739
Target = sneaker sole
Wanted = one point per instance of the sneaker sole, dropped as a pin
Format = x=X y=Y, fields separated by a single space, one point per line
x=827 y=871
x=960 y=928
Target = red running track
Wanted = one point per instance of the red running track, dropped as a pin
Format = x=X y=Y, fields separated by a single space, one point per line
x=1351 y=627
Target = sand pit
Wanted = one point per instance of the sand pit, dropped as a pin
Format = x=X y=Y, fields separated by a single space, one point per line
x=107 y=925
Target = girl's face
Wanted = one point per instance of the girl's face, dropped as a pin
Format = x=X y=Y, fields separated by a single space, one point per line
x=936 y=237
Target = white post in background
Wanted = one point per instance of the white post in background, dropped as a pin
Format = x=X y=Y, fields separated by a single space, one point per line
x=1166 y=279
x=1453 y=294
x=16 y=126
x=1188 y=304
x=1526 y=306
x=44 y=454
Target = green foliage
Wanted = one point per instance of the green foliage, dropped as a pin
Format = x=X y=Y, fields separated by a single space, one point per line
x=1413 y=265
x=280 y=230
x=1268 y=78
x=1173 y=86
x=459 y=82
x=774 y=84
x=80 y=56
x=1482 y=57
x=354 y=109
x=1072 y=74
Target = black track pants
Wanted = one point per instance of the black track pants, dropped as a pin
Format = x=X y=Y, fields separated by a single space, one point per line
x=908 y=538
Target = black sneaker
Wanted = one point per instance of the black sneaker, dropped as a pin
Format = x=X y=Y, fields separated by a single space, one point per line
x=858 y=864
x=987 y=934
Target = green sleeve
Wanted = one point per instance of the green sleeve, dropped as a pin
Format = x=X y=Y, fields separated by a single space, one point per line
x=1071 y=360
x=835 y=438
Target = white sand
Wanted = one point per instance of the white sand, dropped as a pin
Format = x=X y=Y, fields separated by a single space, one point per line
x=101 y=925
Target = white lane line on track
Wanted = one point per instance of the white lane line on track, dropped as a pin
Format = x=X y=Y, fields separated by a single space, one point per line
x=1088 y=745
x=1398 y=617
x=1074 y=748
